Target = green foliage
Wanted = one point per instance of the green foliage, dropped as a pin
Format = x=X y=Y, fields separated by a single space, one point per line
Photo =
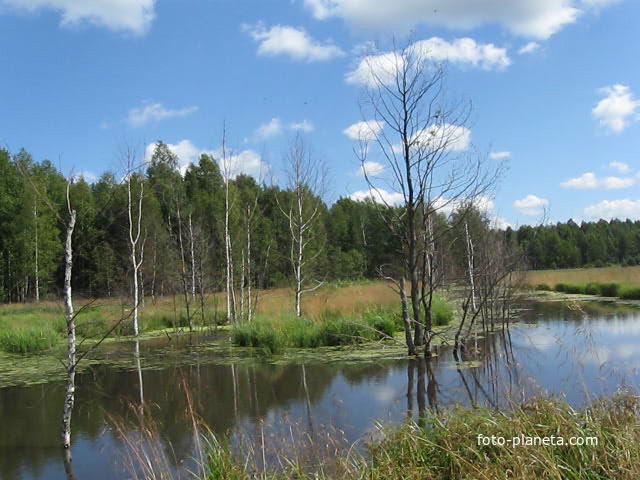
x=441 y=311
x=543 y=287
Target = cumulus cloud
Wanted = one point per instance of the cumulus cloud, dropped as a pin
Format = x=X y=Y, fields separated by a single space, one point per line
x=268 y=130
x=372 y=169
x=530 y=47
x=364 y=131
x=133 y=16
x=248 y=162
x=292 y=42
x=447 y=137
x=609 y=209
x=378 y=195
x=621 y=167
x=381 y=68
x=617 y=108
x=529 y=18
x=590 y=181
x=531 y=205
x=500 y=155
x=154 y=112
x=304 y=126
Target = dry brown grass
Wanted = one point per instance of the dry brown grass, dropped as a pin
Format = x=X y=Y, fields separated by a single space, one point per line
x=623 y=275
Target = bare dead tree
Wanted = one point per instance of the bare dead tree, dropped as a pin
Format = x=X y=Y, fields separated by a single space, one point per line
x=423 y=141
x=306 y=177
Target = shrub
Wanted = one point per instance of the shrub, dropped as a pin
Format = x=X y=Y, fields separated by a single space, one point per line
x=543 y=287
x=441 y=311
x=609 y=289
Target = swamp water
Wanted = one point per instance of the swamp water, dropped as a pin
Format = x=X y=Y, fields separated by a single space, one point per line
x=555 y=349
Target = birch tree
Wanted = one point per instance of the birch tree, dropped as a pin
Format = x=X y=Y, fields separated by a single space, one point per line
x=306 y=177
x=69 y=398
x=136 y=243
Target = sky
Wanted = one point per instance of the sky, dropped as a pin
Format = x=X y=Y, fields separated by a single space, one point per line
x=554 y=84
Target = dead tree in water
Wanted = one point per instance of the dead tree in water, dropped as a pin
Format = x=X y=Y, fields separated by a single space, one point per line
x=424 y=143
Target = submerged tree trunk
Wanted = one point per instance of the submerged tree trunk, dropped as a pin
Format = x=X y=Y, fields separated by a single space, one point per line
x=71 y=335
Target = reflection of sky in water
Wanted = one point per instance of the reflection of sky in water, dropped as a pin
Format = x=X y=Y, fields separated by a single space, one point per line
x=558 y=351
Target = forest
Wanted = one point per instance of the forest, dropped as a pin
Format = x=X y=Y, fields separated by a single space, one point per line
x=183 y=222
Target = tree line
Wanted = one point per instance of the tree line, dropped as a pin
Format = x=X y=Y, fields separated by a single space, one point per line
x=569 y=245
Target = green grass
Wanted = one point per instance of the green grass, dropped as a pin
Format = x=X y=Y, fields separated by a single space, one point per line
x=329 y=329
x=28 y=339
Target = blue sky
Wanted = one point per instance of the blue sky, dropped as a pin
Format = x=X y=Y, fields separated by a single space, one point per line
x=555 y=86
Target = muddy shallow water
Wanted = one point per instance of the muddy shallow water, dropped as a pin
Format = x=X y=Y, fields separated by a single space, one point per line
x=575 y=351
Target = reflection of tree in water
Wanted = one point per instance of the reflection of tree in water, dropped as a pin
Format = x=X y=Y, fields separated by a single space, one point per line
x=30 y=440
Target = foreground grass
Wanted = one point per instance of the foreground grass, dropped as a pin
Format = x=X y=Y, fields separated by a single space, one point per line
x=443 y=447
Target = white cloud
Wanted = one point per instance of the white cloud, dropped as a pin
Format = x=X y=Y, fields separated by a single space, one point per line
x=621 y=167
x=304 y=126
x=364 y=131
x=500 y=223
x=134 y=16
x=155 y=112
x=447 y=137
x=448 y=206
x=381 y=68
x=530 y=47
x=292 y=42
x=499 y=155
x=614 y=111
x=590 y=181
x=247 y=161
x=531 y=205
x=372 y=169
x=378 y=195
x=465 y=51
x=268 y=130
x=529 y=18
x=185 y=150
x=609 y=209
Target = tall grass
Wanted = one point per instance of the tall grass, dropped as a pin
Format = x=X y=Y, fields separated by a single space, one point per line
x=444 y=446
x=331 y=329
x=28 y=339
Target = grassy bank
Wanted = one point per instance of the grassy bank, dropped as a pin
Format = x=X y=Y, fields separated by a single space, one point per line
x=31 y=328
x=445 y=447
x=331 y=328
x=583 y=276
x=616 y=290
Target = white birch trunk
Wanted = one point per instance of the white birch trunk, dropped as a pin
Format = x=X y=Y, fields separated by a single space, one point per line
x=134 y=239
x=71 y=335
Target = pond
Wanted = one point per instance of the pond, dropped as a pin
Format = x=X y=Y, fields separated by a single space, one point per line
x=576 y=351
